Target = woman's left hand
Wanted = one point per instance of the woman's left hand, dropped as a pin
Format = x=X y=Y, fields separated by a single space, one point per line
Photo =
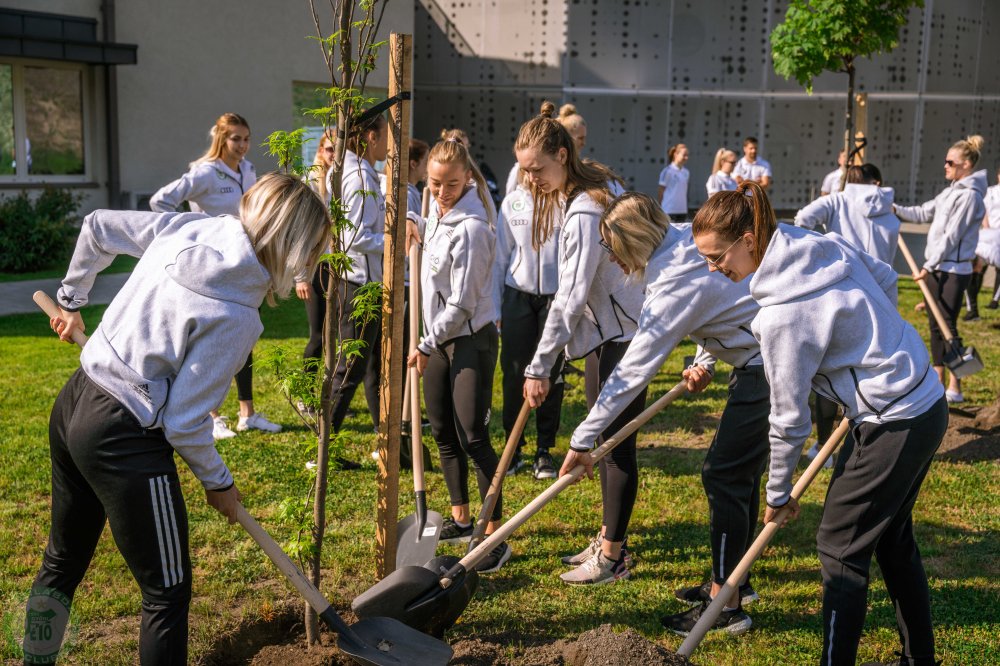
x=303 y=290
x=535 y=391
x=418 y=360
x=793 y=512
x=66 y=323
x=575 y=458
x=412 y=234
x=920 y=275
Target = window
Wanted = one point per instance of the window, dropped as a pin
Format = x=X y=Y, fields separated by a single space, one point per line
x=42 y=122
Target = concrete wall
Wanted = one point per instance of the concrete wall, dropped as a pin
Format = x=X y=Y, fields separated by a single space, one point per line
x=649 y=74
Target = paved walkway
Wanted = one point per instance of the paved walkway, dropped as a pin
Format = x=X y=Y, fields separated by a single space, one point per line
x=15 y=297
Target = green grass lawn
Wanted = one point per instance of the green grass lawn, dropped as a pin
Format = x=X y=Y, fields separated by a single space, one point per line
x=956 y=523
x=121 y=264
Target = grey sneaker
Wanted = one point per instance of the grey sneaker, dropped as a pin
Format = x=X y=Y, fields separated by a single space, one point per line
x=595 y=547
x=695 y=596
x=597 y=570
x=544 y=467
x=452 y=532
x=734 y=622
x=496 y=559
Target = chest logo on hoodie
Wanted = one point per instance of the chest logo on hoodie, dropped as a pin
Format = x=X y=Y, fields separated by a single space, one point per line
x=225 y=190
x=519 y=222
x=517 y=206
x=220 y=175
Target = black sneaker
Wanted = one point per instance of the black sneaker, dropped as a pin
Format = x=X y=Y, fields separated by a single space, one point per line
x=346 y=465
x=992 y=305
x=516 y=464
x=452 y=532
x=971 y=315
x=496 y=559
x=734 y=622
x=544 y=467
x=695 y=596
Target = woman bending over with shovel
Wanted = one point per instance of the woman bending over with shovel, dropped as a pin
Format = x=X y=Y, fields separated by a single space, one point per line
x=685 y=298
x=162 y=357
x=458 y=353
x=812 y=289
x=594 y=310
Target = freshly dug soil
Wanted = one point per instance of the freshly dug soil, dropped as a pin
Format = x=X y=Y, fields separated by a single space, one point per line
x=973 y=435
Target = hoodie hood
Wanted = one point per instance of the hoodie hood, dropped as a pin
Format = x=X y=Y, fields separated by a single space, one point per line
x=468 y=206
x=213 y=257
x=870 y=200
x=797 y=262
x=977 y=181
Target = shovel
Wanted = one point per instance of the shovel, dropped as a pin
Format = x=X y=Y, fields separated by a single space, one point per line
x=711 y=613
x=420 y=531
x=376 y=641
x=432 y=597
x=961 y=361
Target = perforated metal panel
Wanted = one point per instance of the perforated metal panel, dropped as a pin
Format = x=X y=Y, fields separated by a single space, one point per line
x=650 y=73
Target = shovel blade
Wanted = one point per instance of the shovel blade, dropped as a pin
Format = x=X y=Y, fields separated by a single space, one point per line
x=382 y=641
x=964 y=362
x=417 y=543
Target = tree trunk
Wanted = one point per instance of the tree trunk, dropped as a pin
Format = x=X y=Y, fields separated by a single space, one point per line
x=848 y=122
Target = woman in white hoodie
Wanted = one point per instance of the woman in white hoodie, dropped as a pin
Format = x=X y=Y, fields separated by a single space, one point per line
x=955 y=216
x=146 y=384
x=594 y=310
x=722 y=179
x=214 y=184
x=684 y=298
x=828 y=321
x=457 y=354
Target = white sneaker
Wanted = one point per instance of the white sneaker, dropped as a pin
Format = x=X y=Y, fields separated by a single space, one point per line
x=954 y=396
x=220 y=430
x=596 y=570
x=256 y=421
x=814 y=451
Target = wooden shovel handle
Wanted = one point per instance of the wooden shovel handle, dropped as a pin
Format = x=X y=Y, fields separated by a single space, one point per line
x=710 y=614
x=50 y=308
x=928 y=296
x=413 y=379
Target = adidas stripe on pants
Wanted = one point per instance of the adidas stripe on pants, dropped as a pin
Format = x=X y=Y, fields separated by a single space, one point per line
x=107 y=468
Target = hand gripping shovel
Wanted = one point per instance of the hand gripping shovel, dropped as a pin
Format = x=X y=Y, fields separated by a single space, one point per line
x=418 y=532
x=961 y=362
x=376 y=641
x=432 y=597
x=710 y=614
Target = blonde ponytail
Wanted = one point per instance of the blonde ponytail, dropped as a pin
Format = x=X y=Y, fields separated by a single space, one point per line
x=971 y=148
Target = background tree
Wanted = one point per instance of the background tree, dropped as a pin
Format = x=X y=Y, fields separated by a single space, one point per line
x=828 y=35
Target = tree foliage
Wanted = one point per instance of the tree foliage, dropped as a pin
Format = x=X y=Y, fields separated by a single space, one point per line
x=827 y=35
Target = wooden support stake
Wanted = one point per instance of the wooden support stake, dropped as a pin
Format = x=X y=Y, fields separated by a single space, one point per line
x=393 y=345
x=860 y=124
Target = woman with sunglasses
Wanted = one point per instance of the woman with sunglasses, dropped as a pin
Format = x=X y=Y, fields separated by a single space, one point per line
x=955 y=216
x=813 y=290
x=684 y=297
x=594 y=310
x=722 y=179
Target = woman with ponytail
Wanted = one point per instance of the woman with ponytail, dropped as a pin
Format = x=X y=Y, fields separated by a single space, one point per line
x=955 y=216
x=215 y=184
x=673 y=184
x=684 y=298
x=457 y=354
x=722 y=179
x=594 y=310
x=828 y=321
x=574 y=124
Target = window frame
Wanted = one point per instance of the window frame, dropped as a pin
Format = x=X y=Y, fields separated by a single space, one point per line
x=21 y=175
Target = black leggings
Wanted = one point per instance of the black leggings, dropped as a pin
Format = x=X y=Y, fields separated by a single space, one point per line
x=825 y=415
x=458 y=388
x=619 y=469
x=366 y=367
x=105 y=468
x=948 y=289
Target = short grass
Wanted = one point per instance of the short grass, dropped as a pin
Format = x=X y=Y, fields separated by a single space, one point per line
x=956 y=523
x=121 y=264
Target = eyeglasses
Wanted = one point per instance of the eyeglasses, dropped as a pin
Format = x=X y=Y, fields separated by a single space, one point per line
x=606 y=247
x=714 y=263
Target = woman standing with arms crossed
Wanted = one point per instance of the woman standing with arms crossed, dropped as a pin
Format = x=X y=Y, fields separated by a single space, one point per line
x=594 y=310
x=215 y=184
x=828 y=321
x=458 y=352
x=673 y=184
x=684 y=298
x=955 y=216
x=146 y=384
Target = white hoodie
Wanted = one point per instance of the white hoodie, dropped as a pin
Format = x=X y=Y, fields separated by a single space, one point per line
x=518 y=264
x=456 y=272
x=862 y=214
x=209 y=187
x=170 y=342
x=955 y=216
x=364 y=241
x=683 y=298
x=828 y=321
x=594 y=303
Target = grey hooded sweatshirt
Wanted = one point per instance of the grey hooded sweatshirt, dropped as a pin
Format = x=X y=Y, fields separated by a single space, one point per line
x=518 y=264
x=364 y=241
x=862 y=214
x=683 y=298
x=456 y=272
x=594 y=303
x=955 y=216
x=828 y=321
x=172 y=339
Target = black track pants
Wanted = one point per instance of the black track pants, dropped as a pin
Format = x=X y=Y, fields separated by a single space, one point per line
x=619 y=469
x=523 y=316
x=948 y=289
x=868 y=511
x=458 y=388
x=106 y=468
x=826 y=414
x=367 y=367
x=733 y=467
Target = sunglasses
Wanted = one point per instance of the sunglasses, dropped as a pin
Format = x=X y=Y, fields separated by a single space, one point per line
x=714 y=263
x=606 y=247
x=952 y=164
